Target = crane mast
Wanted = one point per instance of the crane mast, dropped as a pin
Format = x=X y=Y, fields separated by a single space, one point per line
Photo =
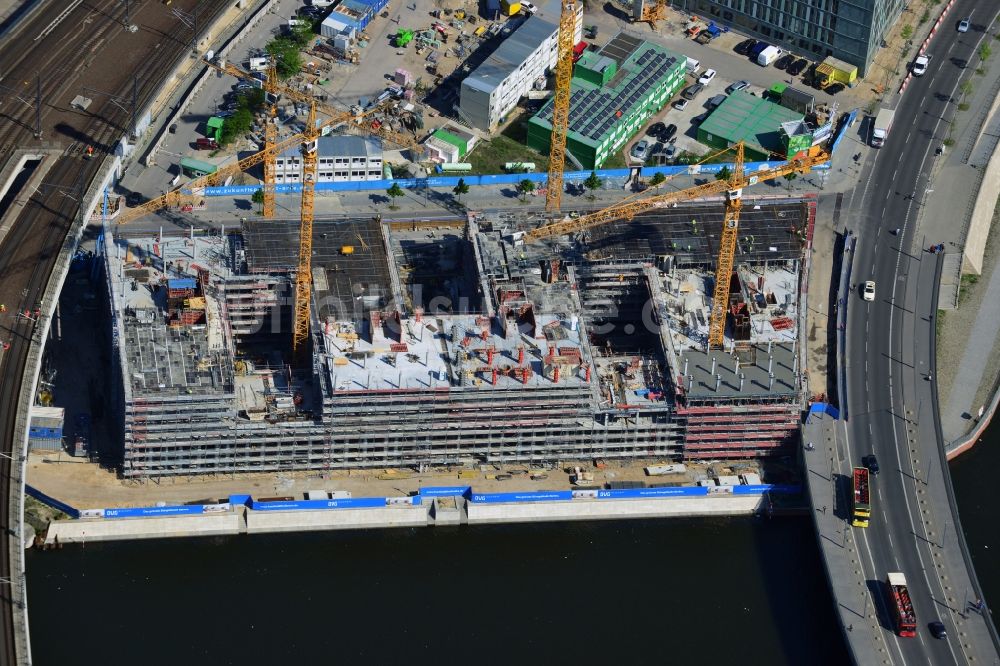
x=303 y=275
x=727 y=251
x=560 y=106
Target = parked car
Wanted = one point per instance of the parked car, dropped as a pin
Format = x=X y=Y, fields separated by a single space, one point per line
x=692 y=91
x=716 y=101
x=835 y=88
x=681 y=104
x=697 y=120
x=671 y=151
x=784 y=61
x=707 y=77
x=668 y=133
x=657 y=147
x=737 y=85
x=963 y=25
x=173 y=128
x=640 y=150
x=657 y=129
x=743 y=48
x=243 y=85
x=796 y=67
x=528 y=8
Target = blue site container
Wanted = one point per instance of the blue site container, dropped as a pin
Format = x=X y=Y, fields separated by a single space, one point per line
x=41 y=432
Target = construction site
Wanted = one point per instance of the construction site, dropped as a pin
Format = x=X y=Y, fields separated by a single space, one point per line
x=458 y=343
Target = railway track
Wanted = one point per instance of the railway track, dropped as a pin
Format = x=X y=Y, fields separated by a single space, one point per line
x=87 y=48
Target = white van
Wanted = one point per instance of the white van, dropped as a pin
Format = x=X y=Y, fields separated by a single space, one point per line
x=769 y=55
x=693 y=66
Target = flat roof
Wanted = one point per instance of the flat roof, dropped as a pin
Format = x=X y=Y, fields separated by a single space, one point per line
x=594 y=109
x=342 y=145
x=751 y=119
x=349 y=283
x=513 y=51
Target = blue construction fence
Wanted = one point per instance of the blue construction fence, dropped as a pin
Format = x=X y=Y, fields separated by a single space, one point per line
x=447 y=182
x=414 y=500
x=51 y=501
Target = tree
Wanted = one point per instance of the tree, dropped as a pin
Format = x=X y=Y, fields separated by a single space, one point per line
x=790 y=177
x=592 y=183
x=258 y=198
x=657 y=179
x=525 y=187
x=285 y=51
x=393 y=192
x=985 y=51
x=236 y=126
x=460 y=188
x=723 y=174
x=907 y=31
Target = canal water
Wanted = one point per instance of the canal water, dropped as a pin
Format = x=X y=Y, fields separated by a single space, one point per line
x=630 y=592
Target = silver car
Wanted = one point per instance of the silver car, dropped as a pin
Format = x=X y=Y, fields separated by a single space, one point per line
x=639 y=150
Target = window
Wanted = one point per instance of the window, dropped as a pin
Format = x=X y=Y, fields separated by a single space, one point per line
x=374 y=172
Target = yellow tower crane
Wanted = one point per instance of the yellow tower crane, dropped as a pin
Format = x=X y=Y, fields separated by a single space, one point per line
x=731 y=188
x=560 y=105
x=303 y=275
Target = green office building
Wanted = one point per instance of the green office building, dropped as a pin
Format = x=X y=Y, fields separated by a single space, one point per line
x=615 y=91
x=758 y=123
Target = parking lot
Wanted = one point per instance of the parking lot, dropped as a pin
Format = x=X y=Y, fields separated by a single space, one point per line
x=719 y=55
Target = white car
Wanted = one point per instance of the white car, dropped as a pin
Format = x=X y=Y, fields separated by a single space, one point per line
x=963 y=25
x=681 y=104
x=920 y=65
x=869 y=292
x=528 y=8
x=705 y=78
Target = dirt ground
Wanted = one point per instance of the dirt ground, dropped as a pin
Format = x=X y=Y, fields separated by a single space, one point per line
x=85 y=485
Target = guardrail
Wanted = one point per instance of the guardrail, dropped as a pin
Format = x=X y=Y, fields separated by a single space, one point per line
x=843 y=294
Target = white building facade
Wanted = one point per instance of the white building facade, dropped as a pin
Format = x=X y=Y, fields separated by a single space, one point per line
x=340 y=159
x=492 y=91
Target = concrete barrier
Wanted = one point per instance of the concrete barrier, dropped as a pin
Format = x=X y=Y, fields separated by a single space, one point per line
x=81 y=531
x=345 y=519
x=723 y=505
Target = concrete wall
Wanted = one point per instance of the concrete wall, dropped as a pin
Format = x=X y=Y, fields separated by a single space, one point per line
x=982 y=215
x=612 y=509
x=80 y=531
x=341 y=519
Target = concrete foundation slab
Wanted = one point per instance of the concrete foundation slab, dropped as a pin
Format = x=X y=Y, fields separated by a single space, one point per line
x=81 y=531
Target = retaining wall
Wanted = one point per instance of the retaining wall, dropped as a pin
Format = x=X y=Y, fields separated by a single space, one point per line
x=300 y=521
x=730 y=505
x=81 y=531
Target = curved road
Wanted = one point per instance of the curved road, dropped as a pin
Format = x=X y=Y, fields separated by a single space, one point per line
x=891 y=405
x=87 y=48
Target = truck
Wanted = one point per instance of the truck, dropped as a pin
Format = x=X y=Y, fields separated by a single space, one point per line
x=769 y=55
x=901 y=606
x=881 y=127
x=832 y=70
x=861 y=507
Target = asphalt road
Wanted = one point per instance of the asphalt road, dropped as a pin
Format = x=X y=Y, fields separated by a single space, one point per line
x=85 y=52
x=890 y=400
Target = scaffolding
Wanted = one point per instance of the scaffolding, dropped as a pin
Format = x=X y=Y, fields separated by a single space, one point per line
x=436 y=347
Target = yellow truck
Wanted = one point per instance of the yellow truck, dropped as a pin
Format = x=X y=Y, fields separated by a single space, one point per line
x=832 y=70
x=509 y=8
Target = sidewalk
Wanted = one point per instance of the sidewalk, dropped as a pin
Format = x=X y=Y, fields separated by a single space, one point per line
x=968 y=341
